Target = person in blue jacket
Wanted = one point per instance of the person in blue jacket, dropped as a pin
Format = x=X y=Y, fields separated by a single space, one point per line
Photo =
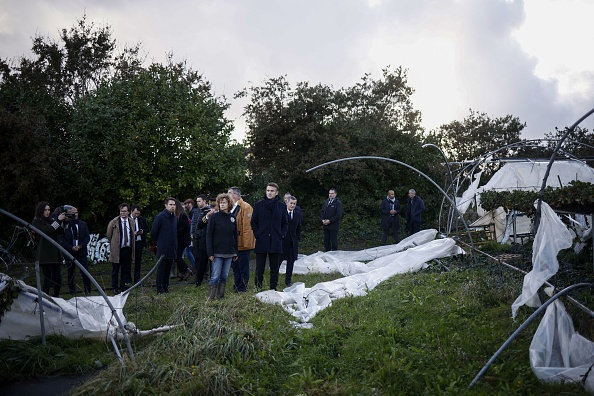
x=414 y=210
x=270 y=225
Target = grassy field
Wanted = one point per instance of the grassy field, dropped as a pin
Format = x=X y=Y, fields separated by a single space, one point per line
x=427 y=333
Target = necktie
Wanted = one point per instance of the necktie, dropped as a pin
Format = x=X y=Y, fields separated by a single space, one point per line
x=330 y=201
x=125 y=231
x=75 y=235
x=291 y=214
x=137 y=229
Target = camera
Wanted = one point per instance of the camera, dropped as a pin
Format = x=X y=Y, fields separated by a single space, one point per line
x=65 y=209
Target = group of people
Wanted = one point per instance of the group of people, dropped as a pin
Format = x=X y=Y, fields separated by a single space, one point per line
x=391 y=210
x=66 y=230
x=216 y=238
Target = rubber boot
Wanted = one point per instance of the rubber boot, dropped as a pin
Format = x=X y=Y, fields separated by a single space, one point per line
x=212 y=292
x=221 y=290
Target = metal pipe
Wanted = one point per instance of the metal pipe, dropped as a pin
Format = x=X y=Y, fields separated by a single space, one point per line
x=523 y=326
x=40 y=300
x=79 y=265
x=409 y=167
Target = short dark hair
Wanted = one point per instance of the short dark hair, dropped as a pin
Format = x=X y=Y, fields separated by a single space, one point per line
x=134 y=207
x=203 y=197
x=333 y=189
x=272 y=184
x=125 y=205
x=169 y=199
x=190 y=200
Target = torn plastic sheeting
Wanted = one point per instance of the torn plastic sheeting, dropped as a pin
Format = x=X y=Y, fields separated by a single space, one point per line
x=551 y=237
x=304 y=303
x=558 y=352
x=87 y=317
x=348 y=262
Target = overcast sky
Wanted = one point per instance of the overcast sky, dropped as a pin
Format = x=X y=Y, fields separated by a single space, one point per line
x=532 y=59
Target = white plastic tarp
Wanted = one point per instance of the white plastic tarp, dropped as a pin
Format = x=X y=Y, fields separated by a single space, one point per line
x=558 y=352
x=352 y=262
x=88 y=317
x=527 y=176
x=551 y=237
x=304 y=303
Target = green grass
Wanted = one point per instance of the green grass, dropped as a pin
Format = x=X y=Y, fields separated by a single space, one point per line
x=427 y=333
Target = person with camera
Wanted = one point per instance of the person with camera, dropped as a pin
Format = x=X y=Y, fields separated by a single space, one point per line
x=120 y=233
x=75 y=240
x=48 y=255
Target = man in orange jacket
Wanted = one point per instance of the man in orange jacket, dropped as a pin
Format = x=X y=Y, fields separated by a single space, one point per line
x=245 y=240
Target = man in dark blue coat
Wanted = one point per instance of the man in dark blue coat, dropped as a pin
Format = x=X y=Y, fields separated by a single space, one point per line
x=390 y=210
x=75 y=239
x=331 y=215
x=164 y=235
x=414 y=210
x=269 y=223
x=291 y=241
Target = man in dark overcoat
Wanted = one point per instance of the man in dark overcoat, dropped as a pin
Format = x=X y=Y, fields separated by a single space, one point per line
x=164 y=235
x=390 y=210
x=330 y=216
x=269 y=223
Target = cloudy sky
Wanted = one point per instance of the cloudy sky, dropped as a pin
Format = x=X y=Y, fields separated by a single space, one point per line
x=532 y=59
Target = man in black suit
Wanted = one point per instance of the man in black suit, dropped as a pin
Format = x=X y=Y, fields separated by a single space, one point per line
x=390 y=210
x=141 y=229
x=331 y=215
x=291 y=240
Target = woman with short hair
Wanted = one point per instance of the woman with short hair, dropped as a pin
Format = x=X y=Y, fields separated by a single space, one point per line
x=221 y=245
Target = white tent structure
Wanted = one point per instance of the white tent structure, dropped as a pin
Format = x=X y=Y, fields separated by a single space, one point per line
x=526 y=176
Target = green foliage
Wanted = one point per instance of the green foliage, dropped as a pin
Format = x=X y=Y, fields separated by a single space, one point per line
x=577 y=197
x=149 y=134
x=476 y=135
x=7 y=295
x=424 y=333
x=20 y=360
x=294 y=129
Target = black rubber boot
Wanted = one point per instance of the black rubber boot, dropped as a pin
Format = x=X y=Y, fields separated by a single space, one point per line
x=212 y=292
x=222 y=290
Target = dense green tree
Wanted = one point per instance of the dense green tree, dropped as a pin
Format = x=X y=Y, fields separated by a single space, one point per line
x=291 y=130
x=36 y=104
x=149 y=133
x=476 y=135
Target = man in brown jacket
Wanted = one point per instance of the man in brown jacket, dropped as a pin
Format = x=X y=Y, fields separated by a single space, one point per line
x=245 y=240
x=120 y=233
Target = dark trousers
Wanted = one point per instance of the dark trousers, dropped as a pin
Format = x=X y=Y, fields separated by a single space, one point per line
x=202 y=266
x=274 y=261
x=414 y=227
x=52 y=276
x=393 y=224
x=125 y=267
x=138 y=248
x=182 y=267
x=289 y=255
x=330 y=239
x=241 y=271
x=163 y=275
x=71 y=267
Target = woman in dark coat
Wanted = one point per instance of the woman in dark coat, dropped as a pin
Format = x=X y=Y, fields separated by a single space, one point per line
x=221 y=244
x=48 y=255
x=183 y=240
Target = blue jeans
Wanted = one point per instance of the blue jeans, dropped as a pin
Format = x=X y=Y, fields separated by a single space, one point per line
x=220 y=270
